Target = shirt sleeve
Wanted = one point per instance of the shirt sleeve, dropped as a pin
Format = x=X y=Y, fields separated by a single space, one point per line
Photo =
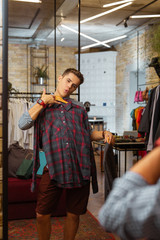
x=25 y=121
x=132 y=209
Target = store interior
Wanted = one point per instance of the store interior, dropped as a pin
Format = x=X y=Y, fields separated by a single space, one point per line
x=113 y=43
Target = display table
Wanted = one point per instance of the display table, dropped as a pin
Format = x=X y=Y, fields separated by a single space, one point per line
x=122 y=146
x=128 y=146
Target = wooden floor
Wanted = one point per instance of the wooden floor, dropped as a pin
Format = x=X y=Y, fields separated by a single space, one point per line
x=97 y=200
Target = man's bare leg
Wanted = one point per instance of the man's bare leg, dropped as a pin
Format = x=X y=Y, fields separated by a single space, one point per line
x=71 y=226
x=44 y=226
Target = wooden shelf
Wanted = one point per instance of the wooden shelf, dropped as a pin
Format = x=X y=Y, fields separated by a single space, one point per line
x=38 y=58
x=38 y=84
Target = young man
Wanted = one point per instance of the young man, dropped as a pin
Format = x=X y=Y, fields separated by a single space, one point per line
x=62 y=130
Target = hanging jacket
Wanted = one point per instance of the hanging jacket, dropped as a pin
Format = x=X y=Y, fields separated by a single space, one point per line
x=144 y=126
x=110 y=168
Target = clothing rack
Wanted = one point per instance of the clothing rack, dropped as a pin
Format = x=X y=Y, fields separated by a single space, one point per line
x=29 y=94
x=149 y=83
x=24 y=95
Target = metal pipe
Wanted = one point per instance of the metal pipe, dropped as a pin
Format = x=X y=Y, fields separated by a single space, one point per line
x=55 y=45
x=5 y=116
x=33 y=93
x=137 y=60
x=79 y=40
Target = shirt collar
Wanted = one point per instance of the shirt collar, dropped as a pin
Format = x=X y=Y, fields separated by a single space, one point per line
x=68 y=105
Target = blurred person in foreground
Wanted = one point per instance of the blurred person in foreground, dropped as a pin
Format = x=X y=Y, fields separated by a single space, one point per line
x=132 y=209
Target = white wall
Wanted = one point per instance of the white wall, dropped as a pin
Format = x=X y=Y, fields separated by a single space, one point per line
x=99 y=70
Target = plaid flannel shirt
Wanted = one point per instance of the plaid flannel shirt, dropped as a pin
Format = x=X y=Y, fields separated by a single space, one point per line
x=64 y=134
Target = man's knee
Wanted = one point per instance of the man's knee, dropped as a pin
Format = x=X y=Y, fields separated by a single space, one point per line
x=42 y=219
x=72 y=217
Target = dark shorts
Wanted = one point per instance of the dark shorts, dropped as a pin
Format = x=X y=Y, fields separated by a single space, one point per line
x=49 y=195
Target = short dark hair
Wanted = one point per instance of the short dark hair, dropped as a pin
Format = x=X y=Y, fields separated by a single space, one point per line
x=75 y=72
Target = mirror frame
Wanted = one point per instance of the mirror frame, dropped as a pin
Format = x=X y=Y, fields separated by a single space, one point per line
x=5 y=117
x=5 y=103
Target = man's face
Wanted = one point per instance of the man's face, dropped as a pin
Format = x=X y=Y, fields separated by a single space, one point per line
x=67 y=85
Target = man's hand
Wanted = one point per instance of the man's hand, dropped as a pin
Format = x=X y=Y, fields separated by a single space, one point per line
x=108 y=137
x=48 y=99
x=103 y=135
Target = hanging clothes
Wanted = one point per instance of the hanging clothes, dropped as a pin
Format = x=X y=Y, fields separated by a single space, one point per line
x=132 y=114
x=149 y=124
x=16 y=107
x=136 y=115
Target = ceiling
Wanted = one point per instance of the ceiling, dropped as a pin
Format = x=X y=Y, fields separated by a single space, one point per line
x=33 y=23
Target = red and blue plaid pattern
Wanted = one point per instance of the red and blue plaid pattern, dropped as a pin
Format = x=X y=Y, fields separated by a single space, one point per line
x=63 y=132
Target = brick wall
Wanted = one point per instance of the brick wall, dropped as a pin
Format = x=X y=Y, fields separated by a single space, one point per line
x=19 y=65
x=65 y=58
x=126 y=68
x=0 y=120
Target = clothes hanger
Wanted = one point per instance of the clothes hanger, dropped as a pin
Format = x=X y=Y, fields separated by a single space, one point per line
x=59 y=99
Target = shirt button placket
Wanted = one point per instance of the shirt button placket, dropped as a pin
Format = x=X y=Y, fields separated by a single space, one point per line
x=64 y=123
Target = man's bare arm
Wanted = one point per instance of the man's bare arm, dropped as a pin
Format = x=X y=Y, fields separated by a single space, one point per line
x=149 y=166
x=100 y=135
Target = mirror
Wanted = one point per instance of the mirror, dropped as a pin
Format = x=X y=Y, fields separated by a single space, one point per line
x=37 y=42
x=109 y=71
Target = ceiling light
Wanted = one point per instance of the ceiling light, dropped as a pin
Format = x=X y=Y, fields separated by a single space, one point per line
x=145 y=16
x=86 y=36
x=62 y=39
x=117 y=3
x=106 y=41
x=106 y=12
x=32 y=1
